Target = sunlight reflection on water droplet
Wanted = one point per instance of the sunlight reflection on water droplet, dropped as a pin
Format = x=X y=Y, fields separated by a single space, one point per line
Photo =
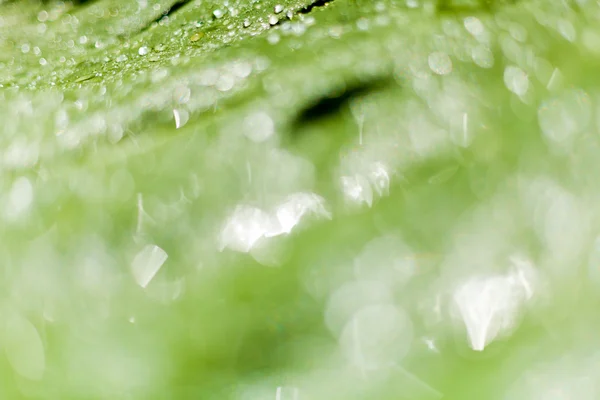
x=147 y=263
x=489 y=307
x=516 y=80
x=259 y=127
x=440 y=63
x=482 y=56
x=474 y=26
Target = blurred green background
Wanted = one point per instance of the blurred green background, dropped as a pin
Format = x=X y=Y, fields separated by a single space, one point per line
x=296 y=199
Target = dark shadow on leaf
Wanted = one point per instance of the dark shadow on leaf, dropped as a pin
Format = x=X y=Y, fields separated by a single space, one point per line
x=336 y=100
x=310 y=7
x=178 y=5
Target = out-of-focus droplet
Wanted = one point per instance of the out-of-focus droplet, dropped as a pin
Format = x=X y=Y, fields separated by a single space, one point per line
x=19 y=198
x=377 y=336
x=247 y=225
x=196 y=36
x=142 y=51
x=379 y=178
x=181 y=118
x=357 y=189
x=241 y=69
x=244 y=228
x=166 y=292
x=482 y=56
x=386 y=259
x=516 y=80
x=182 y=94
x=270 y=252
x=440 y=63
x=24 y=348
x=290 y=212
x=147 y=263
x=565 y=116
x=225 y=82
x=474 y=26
x=489 y=307
x=21 y=154
x=259 y=127
x=350 y=298
x=121 y=58
x=518 y=32
x=273 y=38
x=567 y=30
x=287 y=393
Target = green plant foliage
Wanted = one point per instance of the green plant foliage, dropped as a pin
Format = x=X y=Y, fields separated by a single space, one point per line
x=296 y=199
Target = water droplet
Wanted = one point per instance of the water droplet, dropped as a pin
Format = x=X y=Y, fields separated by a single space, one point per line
x=295 y=207
x=196 y=36
x=181 y=118
x=247 y=23
x=218 y=13
x=21 y=154
x=518 y=32
x=182 y=94
x=349 y=298
x=241 y=69
x=247 y=225
x=362 y=24
x=474 y=26
x=516 y=80
x=42 y=16
x=244 y=228
x=273 y=20
x=259 y=127
x=379 y=178
x=278 y=9
x=440 y=63
x=121 y=58
x=273 y=38
x=567 y=30
x=20 y=197
x=386 y=259
x=377 y=336
x=482 y=56
x=147 y=263
x=142 y=51
x=357 y=189
x=225 y=82
x=489 y=307
x=565 y=116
